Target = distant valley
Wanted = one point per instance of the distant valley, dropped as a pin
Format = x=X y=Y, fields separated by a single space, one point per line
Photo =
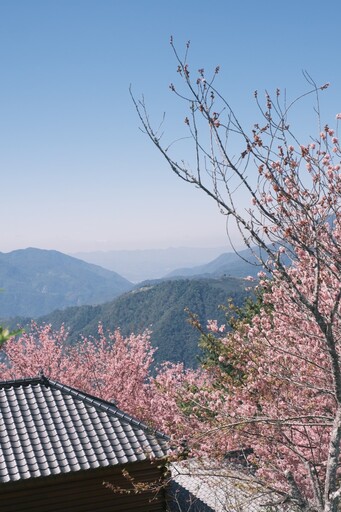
x=58 y=289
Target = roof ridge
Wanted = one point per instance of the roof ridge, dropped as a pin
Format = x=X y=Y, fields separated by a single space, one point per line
x=103 y=405
x=19 y=382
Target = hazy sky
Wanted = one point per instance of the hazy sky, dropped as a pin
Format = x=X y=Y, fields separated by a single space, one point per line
x=76 y=171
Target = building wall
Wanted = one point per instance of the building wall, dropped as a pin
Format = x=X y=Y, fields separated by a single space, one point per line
x=84 y=492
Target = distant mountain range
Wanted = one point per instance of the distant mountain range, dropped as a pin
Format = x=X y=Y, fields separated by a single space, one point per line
x=241 y=264
x=35 y=282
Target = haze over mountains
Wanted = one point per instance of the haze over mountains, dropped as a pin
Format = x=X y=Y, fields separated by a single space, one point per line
x=140 y=265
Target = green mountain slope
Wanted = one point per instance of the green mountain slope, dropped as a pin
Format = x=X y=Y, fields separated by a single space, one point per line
x=36 y=282
x=160 y=308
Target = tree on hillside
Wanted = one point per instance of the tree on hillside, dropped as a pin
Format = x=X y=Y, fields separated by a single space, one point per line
x=283 y=399
x=6 y=334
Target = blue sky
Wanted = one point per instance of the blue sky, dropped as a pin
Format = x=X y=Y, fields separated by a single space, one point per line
x=76 y=172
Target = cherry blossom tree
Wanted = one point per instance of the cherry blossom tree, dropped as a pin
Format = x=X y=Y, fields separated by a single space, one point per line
x=110 y=366
x=283 y=398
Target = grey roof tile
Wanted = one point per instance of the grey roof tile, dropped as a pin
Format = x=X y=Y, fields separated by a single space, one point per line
x=220 y=488
x=47 y=428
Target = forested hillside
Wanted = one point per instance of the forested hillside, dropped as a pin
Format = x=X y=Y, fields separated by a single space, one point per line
x=161 y=308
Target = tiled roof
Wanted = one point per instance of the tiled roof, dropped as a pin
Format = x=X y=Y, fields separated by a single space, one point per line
x=219 y=488
x=47 y=428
